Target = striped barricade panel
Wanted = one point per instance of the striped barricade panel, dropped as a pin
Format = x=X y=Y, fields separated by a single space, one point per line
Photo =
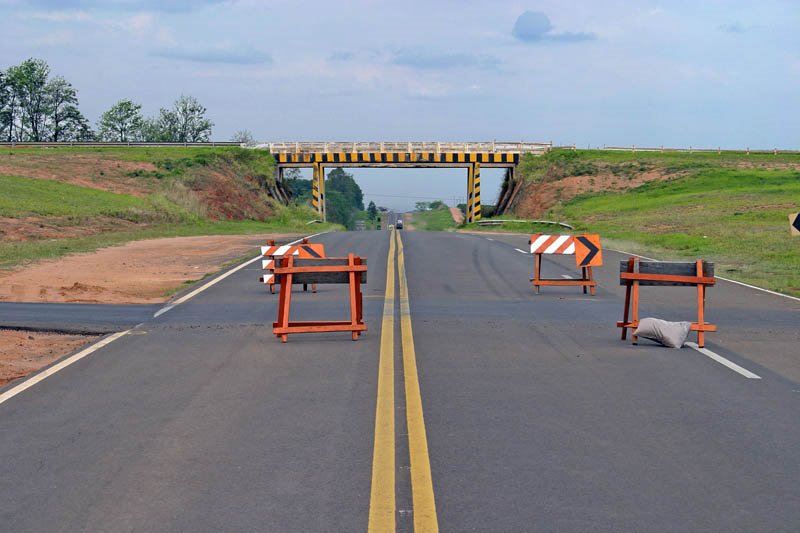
x=585 y=248
x=268 y=265
x=304 y=251
x=552 y=244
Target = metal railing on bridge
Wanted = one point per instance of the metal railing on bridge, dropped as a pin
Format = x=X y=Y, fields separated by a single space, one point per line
x=405 y=147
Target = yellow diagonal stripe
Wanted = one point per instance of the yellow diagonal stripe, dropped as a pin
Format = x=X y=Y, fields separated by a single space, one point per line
x=382 y=494
x=425 y=519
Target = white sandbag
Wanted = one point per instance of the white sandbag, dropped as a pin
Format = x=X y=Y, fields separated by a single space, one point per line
x=670 y=334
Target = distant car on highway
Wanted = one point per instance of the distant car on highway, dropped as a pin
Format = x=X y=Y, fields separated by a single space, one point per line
x=399 y=224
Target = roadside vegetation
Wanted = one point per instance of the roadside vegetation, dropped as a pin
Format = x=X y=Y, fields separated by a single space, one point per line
x=36 y=106
x=433 y=216
x=730 y=208
x=58 y=201
x=737 y=218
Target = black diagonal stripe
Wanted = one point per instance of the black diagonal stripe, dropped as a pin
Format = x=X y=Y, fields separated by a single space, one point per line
x=796 y=223
x=310 y=250
x=592 y=250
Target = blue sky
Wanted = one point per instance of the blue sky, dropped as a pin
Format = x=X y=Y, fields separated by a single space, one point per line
x=673 y=73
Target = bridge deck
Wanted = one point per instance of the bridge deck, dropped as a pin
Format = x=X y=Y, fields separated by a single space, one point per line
x=402 y=152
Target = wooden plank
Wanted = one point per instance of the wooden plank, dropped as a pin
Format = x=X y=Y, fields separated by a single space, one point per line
x=668 y=268
x=321 y=271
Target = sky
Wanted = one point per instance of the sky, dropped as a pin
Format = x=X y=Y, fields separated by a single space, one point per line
x=674 y=73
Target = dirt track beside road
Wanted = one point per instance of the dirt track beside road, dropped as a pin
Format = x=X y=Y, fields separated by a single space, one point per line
x=139 y=272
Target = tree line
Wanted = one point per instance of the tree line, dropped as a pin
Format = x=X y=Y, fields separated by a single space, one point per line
x=36 y=107
x=344 y=198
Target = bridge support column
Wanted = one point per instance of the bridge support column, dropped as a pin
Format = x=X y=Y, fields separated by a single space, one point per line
x=473 y=192
x=476 y=192
x=318 y=191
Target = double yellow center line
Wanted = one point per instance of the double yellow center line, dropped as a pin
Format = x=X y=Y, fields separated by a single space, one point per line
x=382 y=508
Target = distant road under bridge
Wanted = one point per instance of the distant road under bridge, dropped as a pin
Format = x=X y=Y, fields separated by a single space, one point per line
x=469 y=155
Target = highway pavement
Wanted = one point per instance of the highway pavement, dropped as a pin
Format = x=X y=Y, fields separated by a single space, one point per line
x=73 y=318
x=471 y=404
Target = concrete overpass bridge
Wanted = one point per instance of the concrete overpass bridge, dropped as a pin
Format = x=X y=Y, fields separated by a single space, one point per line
x=469 y=155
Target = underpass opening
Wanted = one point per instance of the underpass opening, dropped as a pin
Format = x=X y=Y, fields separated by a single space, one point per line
x=401 y=189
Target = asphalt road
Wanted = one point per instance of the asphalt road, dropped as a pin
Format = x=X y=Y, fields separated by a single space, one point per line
x=537 y=417
x=73 y=318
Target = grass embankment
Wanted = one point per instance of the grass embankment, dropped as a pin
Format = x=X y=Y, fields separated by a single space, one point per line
x=728 y=208
x=438 y=219
x=175 y=192
x=737 y=218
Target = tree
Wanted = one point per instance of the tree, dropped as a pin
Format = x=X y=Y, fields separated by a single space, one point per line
x=36 y=108
x=244 y=137
x=343 y=198
x=28 y=81
x=185 y=122
x=123 y=122
x=299 y=188
x=339 y=180
x=422 y=206
x=151 y=131
x=372 y=211
x=65 y=121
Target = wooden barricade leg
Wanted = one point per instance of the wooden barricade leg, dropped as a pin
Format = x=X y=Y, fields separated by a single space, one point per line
x=354 y=280
x=635 y=309
x=359 y=298
x=701 y=303
x=285 y=301
x=592 y=287
x=584 y=278
x=625 y=314
x=271 y=285
x=537 y=271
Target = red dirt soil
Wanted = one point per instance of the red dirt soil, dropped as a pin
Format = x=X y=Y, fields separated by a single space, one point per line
x=535 y=199
x=86 y=170
x=138 y=272
x=23 y=352
x=458 y=216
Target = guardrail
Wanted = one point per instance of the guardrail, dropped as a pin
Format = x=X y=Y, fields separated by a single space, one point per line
x=15 y=144
x=404 y=147
x=718 y=150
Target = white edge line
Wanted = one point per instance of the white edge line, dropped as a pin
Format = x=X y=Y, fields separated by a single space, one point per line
x=721 y=360
x=521 y=251
x=41 y=376
x=762 y=289
x=219 y=278
x=162 y=311
x=566 y=276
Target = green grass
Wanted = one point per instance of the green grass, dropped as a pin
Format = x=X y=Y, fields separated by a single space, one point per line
x=434 y=220
x=72 y=205
x=14 y=253
x=735 y=217
x=38 y=197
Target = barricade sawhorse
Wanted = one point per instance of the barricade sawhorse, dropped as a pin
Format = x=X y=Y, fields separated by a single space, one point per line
x=585 y=248
x=699 y=274
x=272 y=252
x=290 y=270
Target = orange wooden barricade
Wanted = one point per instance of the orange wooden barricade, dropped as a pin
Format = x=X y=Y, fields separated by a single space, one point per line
x=272 y=252
x=351 y=270
x=586 y=249
x=655 y=273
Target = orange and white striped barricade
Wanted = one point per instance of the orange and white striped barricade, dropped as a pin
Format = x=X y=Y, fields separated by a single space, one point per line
x=272 y=252
x=635 y=273
x=586 y=249
x=293 y=270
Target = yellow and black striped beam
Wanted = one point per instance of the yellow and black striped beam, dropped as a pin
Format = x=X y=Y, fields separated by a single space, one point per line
x=409 y=158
